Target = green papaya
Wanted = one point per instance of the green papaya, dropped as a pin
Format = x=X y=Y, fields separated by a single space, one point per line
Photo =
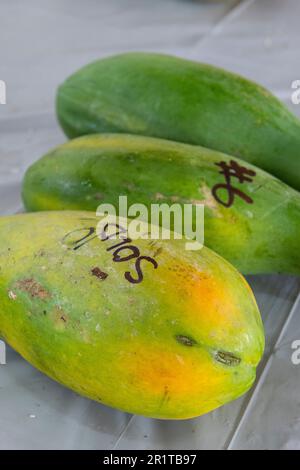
x=168 y=97
x=139 y=325
x=251 y=218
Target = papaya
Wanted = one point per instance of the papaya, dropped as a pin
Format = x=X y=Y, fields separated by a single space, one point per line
x=139 y=325
x=172 y=98
x=251 y=218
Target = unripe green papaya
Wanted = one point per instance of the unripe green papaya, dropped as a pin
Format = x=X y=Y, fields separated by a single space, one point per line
x=140 y=325
x=168 y=97
x=251 y=218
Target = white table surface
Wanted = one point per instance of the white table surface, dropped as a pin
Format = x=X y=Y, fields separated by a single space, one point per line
x=42 y=42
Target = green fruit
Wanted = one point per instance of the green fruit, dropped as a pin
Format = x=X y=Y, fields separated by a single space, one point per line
x=142 y=326
x=162 y=96
x=258 y=232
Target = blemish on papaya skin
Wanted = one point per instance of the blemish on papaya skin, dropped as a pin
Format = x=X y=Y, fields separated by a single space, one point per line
x=158 y=252
x=159 y=196
x=256 y=188
x=99 y=274
x=227 y=358
x=84 y=335
x=98 y=196
x=40 y=253
x=60 y=319
x=12 y=295
x=33 y=288
x=207 y=200
x=185 y=340
x=152 y=243
x=165 y=397
x=130 y=186
x=179 y=359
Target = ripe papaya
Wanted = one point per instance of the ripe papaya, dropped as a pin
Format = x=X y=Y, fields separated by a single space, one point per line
x=168 y=97
x=251 y=218
x=139 y=325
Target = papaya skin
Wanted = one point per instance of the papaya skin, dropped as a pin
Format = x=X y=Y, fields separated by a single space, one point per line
x=183 y=341
x=172 y=98
x=257 y=237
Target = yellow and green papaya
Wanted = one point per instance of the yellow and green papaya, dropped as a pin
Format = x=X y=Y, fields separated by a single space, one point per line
x=168 y=97
x=139 y=325
x=253 y=222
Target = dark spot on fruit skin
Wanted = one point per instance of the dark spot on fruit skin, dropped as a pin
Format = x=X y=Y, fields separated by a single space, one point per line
x=41 y=253
x=152 y=243
x=98 y=273
x=34 y=288
x=224 y=357
x=98 y=196
x=60 y=318
x=165 y=396
x=185 y=340
x=227 y=358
